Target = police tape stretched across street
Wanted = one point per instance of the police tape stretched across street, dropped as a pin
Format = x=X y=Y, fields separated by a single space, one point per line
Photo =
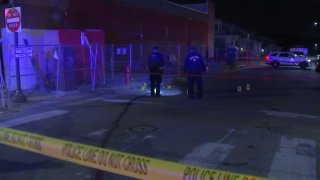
x=121 y=163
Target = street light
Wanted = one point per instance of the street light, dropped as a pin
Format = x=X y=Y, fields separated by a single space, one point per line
x=315 y=23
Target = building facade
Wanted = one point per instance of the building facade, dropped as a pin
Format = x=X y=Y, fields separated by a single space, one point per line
x=131 y=26
x=250 y=45
x=124 y=21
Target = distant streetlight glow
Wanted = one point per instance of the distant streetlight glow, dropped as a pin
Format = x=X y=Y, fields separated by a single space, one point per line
x=315 y=23
x=262 y=50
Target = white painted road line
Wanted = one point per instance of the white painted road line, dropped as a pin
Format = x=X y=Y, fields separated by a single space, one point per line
x=294 y=159
x=98 y=132
x=208 y=155
x=128 y=100
x=32 y=118
x=85 y=101
x=137 y=142
x=226 y=136
x=290 y=115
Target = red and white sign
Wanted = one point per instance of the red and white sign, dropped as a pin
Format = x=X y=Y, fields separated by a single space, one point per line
x=13 y=19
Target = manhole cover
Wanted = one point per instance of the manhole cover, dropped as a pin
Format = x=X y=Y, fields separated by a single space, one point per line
x=142 y=129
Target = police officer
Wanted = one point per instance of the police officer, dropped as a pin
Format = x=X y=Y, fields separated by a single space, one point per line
x=194 y=66
x=156 y=63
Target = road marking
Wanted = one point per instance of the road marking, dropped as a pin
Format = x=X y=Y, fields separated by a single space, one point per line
x=98 y=132
x=290 y=115
x=82 y=175
x=58 y=100
x=248 y=87
x=226 y=136
x=208 y=155
x=31 y=118
x=128 y=100
x=294 y=159
x=85 y=101
x=137 y=142
x=239 y=88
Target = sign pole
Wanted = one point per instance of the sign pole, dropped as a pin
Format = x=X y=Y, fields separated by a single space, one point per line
x=18 y=96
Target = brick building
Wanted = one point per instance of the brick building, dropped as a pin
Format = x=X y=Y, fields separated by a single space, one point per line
x=124 y=21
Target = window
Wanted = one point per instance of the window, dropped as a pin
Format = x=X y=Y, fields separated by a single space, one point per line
x=284 y=55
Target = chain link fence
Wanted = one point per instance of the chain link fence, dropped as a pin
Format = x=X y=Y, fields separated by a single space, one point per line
x=56 y=68
x=133 y=58
x=5 y=101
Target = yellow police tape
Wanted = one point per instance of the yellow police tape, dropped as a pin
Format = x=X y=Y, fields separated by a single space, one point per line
x=126 y=164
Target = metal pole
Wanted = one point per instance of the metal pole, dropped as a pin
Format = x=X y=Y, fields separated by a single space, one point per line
x=91 y=67
x=130 y=60
x=112 y=62
x=95 y=68
x=103 y=65
x=3 y=89
x=179 y=57
x=18 y=96
x=58 y=71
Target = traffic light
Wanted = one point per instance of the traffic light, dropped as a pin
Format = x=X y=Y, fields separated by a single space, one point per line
x=4 y=1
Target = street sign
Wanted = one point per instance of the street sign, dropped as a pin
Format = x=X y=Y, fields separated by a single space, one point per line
x=13 y=19
x=22 y=52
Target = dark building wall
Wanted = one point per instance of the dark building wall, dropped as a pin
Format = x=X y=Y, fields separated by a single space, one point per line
x=135 y=21
x=220 y=42
x=124 y=21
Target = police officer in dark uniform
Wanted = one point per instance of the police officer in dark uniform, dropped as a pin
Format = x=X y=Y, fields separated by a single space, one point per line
x=194 y=66
x=156 y=63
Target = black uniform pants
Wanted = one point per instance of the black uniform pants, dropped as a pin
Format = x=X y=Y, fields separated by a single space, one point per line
x=155 y=80
x=195 y=80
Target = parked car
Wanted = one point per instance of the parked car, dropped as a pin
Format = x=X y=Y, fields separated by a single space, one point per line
x=277 y=59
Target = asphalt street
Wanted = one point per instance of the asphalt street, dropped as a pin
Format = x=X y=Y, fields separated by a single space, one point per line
x=258 y=121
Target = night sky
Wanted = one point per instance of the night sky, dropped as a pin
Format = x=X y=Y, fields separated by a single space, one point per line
x=289 y=22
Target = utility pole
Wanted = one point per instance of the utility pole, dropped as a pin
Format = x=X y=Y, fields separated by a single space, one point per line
x=18 y=95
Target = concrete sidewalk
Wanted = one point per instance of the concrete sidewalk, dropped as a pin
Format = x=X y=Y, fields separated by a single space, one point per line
x=139 y=84
x=37 y=100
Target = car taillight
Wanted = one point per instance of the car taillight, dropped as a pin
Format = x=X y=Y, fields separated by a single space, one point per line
x=267 y=58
